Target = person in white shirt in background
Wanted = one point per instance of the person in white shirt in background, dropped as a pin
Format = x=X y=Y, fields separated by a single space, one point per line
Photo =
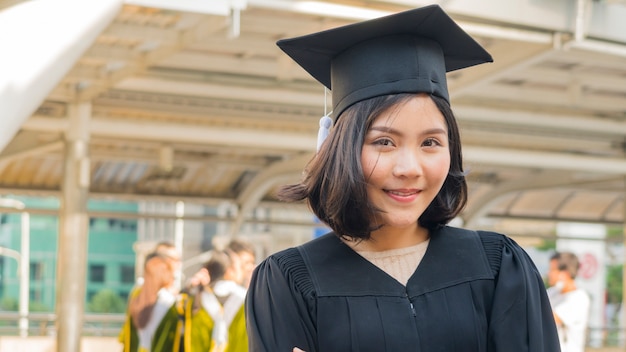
x=151 y=304
x=570 y=304
x=152 y=319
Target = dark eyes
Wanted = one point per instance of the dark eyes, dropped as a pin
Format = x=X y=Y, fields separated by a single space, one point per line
x=383 y=141
x=431 y=142
x=428 y=142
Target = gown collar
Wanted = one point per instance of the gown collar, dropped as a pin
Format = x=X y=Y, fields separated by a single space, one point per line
x=453 y=256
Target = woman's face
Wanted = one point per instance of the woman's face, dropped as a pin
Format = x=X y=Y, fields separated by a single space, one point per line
x=405 y=159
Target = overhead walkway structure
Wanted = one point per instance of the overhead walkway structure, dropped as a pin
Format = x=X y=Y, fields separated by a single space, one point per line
x=191 y=101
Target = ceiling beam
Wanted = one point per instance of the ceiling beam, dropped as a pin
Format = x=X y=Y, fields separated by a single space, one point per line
x=554 y=96
x=213 y=7
x=566 y=76
x=540 y=120
x=31 y=150
x=502 y=68
x=262 y=67
x=543 y=160
x=222 y=91
x=179 y=133
x=303 y=142
x=482 y=205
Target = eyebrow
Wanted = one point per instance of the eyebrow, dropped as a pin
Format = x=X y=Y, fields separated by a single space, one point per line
x=397 y=132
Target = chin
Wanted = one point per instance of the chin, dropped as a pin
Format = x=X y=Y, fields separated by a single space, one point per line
x=401 y=223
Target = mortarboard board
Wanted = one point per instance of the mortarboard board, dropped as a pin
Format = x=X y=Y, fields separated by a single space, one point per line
x=407 y=52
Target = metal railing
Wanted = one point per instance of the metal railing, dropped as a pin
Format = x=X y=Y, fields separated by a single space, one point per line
x=603 y=336
x=109 y=325
x=43 y=324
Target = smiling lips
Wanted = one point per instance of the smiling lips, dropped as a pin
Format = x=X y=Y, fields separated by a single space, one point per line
x=403 y=195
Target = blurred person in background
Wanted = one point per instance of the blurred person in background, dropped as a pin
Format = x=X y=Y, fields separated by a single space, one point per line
x=169 y=251
x=152 y=323
x=247 y=258
x=173 y=256
x=217 y=321
x=570 y=304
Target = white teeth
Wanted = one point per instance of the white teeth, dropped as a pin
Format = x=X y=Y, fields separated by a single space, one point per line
x=403 y=194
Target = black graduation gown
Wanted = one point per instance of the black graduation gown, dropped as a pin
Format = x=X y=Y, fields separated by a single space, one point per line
x=473 y=291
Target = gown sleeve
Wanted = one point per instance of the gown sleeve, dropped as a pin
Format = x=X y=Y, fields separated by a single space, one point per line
x=521 y=316
x=279 y=305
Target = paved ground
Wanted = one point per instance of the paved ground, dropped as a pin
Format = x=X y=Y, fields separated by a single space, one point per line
x=48 y=344
x=110 y=344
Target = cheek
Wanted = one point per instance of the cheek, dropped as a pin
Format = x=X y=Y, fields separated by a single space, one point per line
x=368 y=165
x=376 y=175
x=374 y=166
x=438 y=168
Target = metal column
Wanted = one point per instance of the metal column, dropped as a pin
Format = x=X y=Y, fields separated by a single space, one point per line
x=24 y=273
x=73 y=231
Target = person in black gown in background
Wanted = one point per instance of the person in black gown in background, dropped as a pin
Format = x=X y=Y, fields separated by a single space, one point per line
x=392 y=275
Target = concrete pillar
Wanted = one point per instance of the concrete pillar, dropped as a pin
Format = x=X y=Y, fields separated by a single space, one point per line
x=73 y=230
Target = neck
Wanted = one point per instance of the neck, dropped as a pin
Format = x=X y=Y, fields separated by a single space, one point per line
x=393 y=238
x=569 y=286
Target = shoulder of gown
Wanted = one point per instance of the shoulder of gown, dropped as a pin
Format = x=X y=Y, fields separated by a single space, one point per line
x=281 y=292
x=521 y=317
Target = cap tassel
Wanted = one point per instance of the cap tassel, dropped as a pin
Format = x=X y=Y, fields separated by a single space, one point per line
x=325 y=123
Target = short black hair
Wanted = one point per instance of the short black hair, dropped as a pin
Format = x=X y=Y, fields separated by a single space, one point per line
x=153 y=255
x=239 y=245
x=217 y=265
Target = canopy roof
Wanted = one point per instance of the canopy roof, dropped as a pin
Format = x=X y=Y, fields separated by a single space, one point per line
x=200 y=105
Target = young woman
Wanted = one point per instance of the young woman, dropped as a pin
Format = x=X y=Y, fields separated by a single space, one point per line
x=392 y=276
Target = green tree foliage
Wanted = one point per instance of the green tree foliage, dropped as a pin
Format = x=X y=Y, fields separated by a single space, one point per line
x=106 y=301
x=614 y=233
x=547 y=244
x=11 y=304
x=38 y=307
x=614 y=286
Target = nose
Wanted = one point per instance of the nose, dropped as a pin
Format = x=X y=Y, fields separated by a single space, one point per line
x=407 y=163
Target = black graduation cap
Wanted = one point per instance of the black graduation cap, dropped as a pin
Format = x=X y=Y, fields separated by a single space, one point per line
x=406 y=52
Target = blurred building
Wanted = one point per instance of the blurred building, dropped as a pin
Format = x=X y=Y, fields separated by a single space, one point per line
x=111 y=259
